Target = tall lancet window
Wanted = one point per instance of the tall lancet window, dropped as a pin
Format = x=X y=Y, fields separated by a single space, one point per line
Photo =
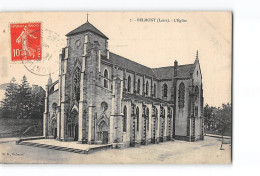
x=154 y=90
x=147 y=88
x=181 y=95
x=138 y=86
x=76 y=84
x=106 y=78
x=129 y=84
x=165 y=90
x=196 y=93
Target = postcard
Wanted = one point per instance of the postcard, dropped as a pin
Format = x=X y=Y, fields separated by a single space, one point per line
x=116 y=87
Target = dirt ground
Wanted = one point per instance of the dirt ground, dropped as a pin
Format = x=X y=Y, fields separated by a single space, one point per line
x=177 y=152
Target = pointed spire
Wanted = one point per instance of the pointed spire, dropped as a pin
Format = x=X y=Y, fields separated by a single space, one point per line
x=49 y=80
x=87 y=17
x=197 y=55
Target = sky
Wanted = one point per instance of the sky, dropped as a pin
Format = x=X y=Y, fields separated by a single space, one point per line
x=144 y=37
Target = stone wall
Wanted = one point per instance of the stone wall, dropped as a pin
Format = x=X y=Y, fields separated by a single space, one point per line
x=182 y=113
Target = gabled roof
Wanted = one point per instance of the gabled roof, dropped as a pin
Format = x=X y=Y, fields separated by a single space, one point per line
x=86 y=27
x=130 y=65
x=184 y=71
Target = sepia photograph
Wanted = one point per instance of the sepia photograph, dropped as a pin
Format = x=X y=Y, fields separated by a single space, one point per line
x=116 y=87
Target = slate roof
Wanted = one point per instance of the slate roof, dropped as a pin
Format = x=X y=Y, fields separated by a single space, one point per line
x=86 y=27
x=130 y=65
x=184 y=71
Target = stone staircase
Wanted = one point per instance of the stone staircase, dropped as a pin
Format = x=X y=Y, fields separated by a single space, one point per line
x=66 y=149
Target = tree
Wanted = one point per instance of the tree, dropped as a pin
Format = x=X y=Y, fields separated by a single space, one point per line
x=10 y=104
x=223 y=120
x=37 y=97
x=24 y=99
x=209 y=117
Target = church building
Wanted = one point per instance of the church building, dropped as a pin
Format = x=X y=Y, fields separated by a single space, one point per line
x=103 y=98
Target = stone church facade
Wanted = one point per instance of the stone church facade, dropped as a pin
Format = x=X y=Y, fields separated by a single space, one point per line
x=103 y=98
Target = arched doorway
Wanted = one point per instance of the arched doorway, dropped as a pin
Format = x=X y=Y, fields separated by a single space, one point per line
x=76 y=132
x=72 y=125
x=103 y=129
x=102 y=133
x=54 y=128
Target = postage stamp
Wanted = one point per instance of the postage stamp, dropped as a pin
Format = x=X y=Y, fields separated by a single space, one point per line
x=26 y=42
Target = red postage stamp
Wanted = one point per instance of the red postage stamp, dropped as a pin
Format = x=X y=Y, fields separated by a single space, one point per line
x=26 y=41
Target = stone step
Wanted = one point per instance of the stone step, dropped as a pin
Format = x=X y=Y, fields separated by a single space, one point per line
x=66 y=149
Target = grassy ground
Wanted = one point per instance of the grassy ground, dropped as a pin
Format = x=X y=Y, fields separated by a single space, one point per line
x=16 y=127
x=217 y=133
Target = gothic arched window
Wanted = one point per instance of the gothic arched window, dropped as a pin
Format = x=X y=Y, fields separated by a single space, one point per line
x=154 y=90
x=147 y=87
x=165 y=90
x=181 y=95
x=196 y=93
x=54 y=107
x=104 y=106
x=129 y=84
x=124 y=119
x=138 y=86
x=137 y=119
x=76 y=84
x=105 y=78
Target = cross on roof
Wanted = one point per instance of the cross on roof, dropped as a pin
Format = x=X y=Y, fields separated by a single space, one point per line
x=87 y=17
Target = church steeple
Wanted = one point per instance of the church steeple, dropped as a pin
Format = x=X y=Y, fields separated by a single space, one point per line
x=87 y=17
x=49 y=80
x=197 y=57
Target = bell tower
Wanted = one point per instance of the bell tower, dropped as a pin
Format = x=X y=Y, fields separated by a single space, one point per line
x=80 y=64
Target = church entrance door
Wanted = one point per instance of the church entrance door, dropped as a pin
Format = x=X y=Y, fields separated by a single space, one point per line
x=72 y=124
x=55 y=133
x=105 y=137
x=76 y=132
x=54 y=128
x=103 y=132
